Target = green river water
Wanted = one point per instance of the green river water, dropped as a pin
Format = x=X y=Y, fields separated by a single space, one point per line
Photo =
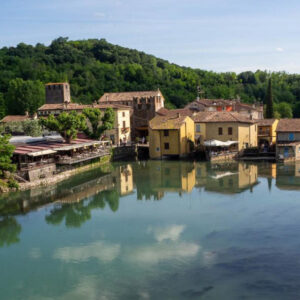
x=155 y=230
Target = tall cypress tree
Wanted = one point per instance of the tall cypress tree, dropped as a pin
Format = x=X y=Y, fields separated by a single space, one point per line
x=269 y=101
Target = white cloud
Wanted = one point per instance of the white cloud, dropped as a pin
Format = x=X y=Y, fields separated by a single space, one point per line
x=164 y=251
x=171 y=232
x=100 y=250
x=35 y=253
x=279 y=49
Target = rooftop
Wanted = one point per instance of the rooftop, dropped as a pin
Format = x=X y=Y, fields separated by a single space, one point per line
x=76 y=106
x=217 y=116
x=288 y=125
x=14 y=118
x=266 y=122
x=128 y=96
x=167 y=122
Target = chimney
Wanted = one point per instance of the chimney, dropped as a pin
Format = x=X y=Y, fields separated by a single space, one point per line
x=26 y=113
x=34 y=117
x=178 y=115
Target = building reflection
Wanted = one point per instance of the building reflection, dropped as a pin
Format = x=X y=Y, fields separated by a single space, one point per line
x=226 y=178
x=154 y=178
x=73 y=200
x=288 y=176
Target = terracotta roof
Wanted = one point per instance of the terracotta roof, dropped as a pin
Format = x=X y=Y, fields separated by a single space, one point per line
x=14 y=118
x=288 y=125
x=218 y=116
x=224 y=102
x=167 y=122
x=76 y=106
x=128 y=96
x=266 y=122
x=182 y=111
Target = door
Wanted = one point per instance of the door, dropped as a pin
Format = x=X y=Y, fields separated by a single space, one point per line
x=286 y=152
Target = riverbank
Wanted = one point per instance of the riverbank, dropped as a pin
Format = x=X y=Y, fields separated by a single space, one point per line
x=65 y=174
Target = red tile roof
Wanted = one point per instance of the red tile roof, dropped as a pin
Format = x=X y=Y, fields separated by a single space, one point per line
x=76 y=106
x=14 y=118
x=266 y=122
x=128 y=96
x=288 y=125
x=167 y=122
x=217 y=116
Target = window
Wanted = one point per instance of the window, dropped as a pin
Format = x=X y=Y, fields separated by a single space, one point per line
x=124 y=124
x=220 y=130
x=198 y=129
x=167 y=146
x=166 y=132
x=291 y=137
x=229 y=130
x=139 y=106
x=123 y=113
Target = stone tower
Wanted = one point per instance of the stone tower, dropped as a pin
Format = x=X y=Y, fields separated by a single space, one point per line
x=58 y=93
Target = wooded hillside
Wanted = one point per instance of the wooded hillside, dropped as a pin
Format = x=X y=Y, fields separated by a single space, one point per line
x=95 y=66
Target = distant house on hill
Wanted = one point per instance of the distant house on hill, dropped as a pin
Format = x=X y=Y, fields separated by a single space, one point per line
x=144 y=105
x=254 y=111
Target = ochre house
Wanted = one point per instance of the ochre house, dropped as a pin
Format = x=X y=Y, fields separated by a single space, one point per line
x=266 y=131
x=288 y=140
x=171 y=135
x=225 y=126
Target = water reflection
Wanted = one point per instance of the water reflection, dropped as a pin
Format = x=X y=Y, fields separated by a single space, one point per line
x=155 y=230
x=73 y=200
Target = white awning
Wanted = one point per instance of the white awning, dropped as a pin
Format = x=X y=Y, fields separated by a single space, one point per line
x=216 y=143
x=40 y=153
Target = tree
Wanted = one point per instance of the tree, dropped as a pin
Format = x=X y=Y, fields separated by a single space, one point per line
x=7 y=168
x=98 y=122
x=24 y=96
x=269 y=101
x=2 y=106
x=66 y=124
x=285 y=110
x=32 y=128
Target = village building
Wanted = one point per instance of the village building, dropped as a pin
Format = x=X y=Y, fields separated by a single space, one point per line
x=288 y=140
x=228 y=127
x=254 y=111
x=143 y=104
x=171 y=136
x=266 y=134
x=58 y=100
x=58 y=92
x=40 y=159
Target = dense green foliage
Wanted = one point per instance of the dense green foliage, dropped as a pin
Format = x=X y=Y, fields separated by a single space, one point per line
x=27 y=127
x=7 y=168
x=98 y=123
x=95 y=66
x=66 y=124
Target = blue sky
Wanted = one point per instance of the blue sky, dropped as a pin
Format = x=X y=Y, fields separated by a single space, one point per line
x=216 y=35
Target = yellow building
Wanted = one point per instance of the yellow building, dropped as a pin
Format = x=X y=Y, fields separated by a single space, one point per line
x=171 y=135
x=266 y=131
x=224 y=127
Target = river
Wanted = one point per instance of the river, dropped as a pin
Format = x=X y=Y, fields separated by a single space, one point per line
x=155 y=230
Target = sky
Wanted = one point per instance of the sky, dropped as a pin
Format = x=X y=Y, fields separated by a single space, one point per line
x=217 y=35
